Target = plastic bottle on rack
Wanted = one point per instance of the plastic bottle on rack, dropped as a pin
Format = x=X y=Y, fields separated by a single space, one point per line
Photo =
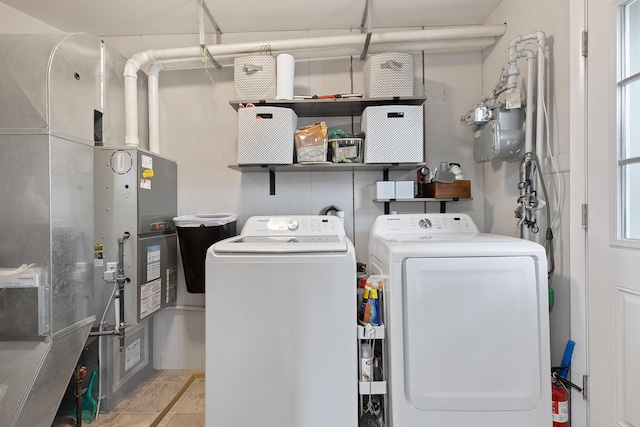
x=364 y=307
x=374 y=308
x=366 y=363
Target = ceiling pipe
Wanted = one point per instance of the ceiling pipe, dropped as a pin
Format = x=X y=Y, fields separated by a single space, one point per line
x=415 y=38
x=310 y=54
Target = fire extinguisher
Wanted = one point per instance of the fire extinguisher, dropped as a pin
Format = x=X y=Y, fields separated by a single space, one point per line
x=559 y=403
x=560 y=398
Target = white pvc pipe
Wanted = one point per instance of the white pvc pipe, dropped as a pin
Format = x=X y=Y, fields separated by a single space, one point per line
x=322 y=53
x=528 y=136
x=540 y=122
x=154 y=105
x=141 y=59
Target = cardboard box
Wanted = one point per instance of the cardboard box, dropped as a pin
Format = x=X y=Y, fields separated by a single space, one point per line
x=439 y=190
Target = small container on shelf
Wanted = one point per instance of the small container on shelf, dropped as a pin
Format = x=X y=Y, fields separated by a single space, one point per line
x=458 y=189
x=311 y=143
x=404 y=189
x=346 y=150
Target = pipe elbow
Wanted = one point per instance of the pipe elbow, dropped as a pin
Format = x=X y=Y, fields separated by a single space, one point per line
x=136 y=62
x=123 y=237
x=131 y=69
x=514 y=43
x=154 y=69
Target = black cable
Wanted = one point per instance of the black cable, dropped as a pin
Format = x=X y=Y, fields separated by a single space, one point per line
x=549 y=235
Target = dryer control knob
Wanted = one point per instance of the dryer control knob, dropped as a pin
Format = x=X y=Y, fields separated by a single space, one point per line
x=293 y=225
x=425 y=223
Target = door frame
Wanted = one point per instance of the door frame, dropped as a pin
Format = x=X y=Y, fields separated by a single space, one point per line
x=577 y=197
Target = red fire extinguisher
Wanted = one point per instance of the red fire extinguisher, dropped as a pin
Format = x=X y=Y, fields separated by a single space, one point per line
x=559 y=404
x=560 y=387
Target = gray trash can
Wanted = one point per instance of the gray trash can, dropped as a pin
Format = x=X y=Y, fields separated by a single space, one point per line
x=195 y=234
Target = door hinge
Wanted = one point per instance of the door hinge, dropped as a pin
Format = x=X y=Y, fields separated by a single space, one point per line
x=585 y=44
x=585 y=387
x=585 y=216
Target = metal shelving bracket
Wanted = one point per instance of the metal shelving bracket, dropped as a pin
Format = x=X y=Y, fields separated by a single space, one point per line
x=367 y=19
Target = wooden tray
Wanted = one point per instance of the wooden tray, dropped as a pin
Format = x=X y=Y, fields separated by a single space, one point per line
x=439 y=190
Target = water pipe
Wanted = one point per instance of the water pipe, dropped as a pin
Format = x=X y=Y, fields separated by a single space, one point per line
x=540 y=128
x=326 y=45
x=153 y=75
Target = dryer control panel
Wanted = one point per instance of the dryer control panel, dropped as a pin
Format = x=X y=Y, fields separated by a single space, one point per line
x=424 y=224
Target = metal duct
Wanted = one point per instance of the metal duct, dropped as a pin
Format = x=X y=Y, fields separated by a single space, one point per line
x=50 y=87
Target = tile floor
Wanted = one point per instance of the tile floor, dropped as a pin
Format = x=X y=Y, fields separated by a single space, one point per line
x=168 y=398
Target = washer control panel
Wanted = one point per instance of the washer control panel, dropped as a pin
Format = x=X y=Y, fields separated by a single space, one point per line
x=301 y=225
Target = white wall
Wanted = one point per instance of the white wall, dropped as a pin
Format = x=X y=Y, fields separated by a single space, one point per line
x=199 y=130
x=501 y=179
x=16 y=22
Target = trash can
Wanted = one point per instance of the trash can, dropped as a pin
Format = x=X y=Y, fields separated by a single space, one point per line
x=195 y=234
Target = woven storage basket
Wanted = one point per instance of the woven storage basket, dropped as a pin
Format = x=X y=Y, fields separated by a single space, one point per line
x=394 y=134
x=254 y=77
x=388 y=74
x=265 y=135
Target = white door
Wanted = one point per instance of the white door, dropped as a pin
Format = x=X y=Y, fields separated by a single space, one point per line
x=613 y=264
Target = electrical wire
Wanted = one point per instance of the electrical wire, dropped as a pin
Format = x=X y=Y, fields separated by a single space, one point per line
x=549 y=233
x=204 y=61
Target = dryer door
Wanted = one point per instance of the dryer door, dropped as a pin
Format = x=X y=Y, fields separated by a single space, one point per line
x=471 y=334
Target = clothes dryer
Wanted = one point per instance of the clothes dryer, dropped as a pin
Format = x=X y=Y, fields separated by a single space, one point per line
x=281 y=334
x=466 y=318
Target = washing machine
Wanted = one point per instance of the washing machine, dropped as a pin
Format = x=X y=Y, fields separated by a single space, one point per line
x=466 y=323
x=281 y=333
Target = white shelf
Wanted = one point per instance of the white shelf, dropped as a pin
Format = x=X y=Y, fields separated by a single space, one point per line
x=331 y=107
x=372 y=387
x=367 y=332
x=327 y=167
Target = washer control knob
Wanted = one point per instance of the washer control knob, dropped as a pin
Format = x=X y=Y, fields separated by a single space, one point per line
x=425 y=223
x=293 y=225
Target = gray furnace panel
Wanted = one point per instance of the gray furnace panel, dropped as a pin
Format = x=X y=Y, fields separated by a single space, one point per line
x=136 y=194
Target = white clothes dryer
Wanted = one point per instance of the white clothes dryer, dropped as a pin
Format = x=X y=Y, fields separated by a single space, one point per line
x=281 y=334
x=467 y=326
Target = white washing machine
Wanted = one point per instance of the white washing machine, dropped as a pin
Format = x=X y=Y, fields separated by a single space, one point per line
x=281 y=334
x=467 y=327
